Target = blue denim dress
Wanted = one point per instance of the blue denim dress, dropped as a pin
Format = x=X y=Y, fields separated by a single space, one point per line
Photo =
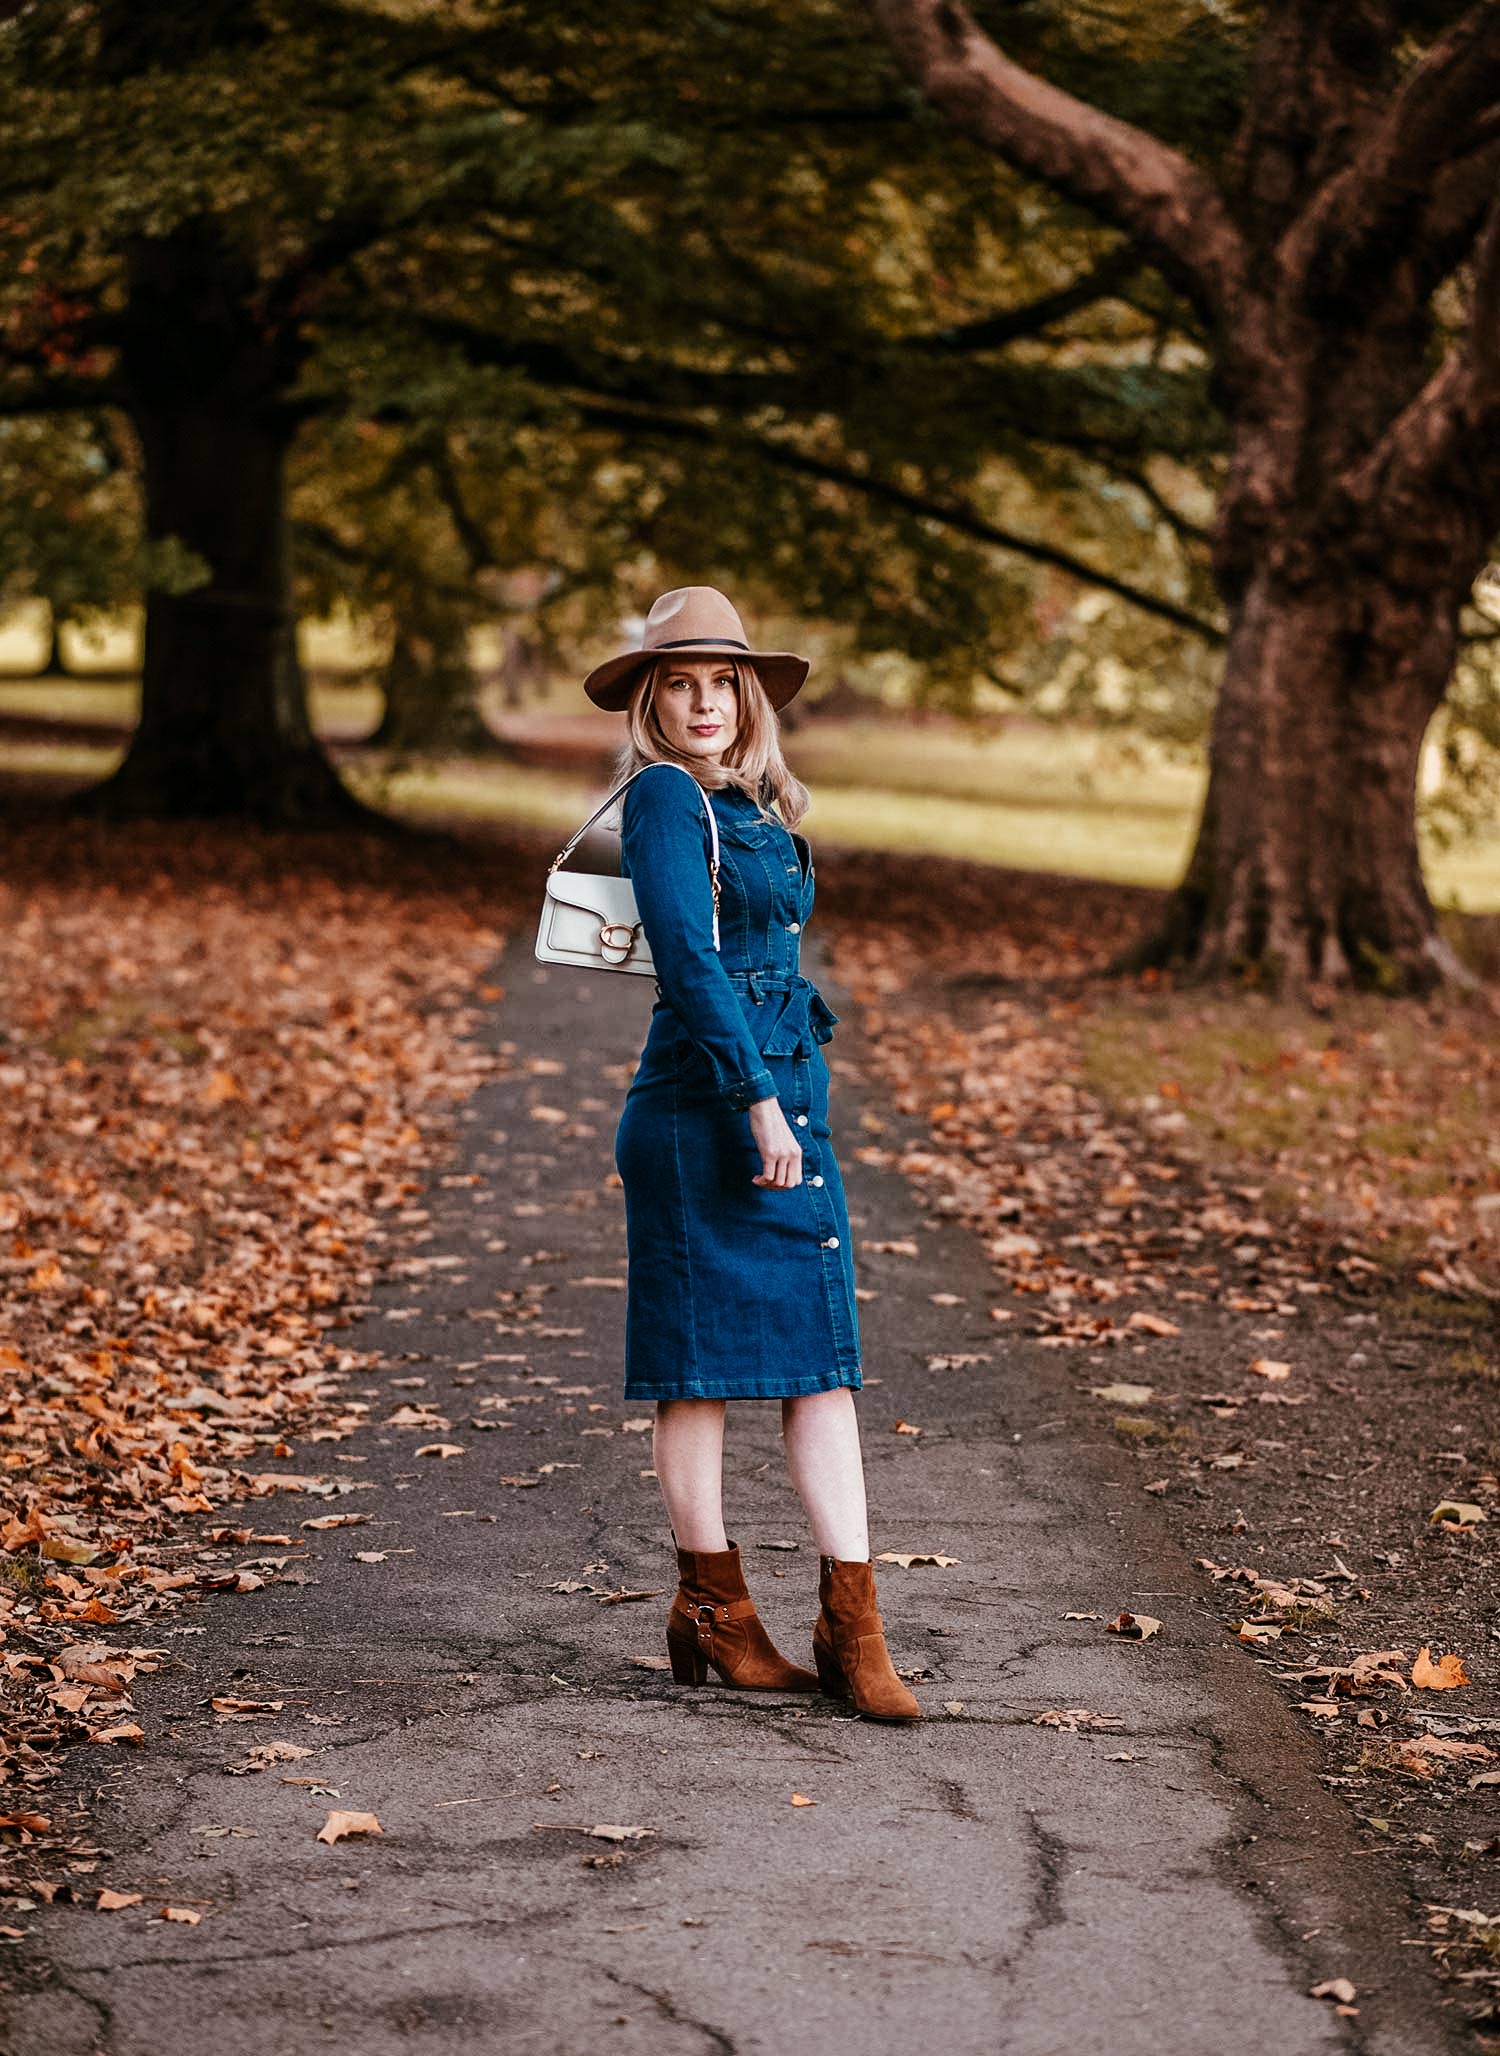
x=735 y=1290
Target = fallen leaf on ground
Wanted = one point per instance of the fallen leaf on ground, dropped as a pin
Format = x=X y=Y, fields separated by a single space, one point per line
x=110 y=1901
x=245 y=1709
x=606 y=1831
x=905 y=1428
x=801 y=1799
x=1136 y=1627
x=1074 y=1718
x=1267 y=1367
x=1448 y=1747
x=1255 y=1631
x=263 y=1754
x=338 y=1825
x=182 y=1913
x=1124 y=1395
x=442 y=1449
x=904 y=1560
x=1152 y=1324
x=1458 y=1513
x=1338 y=1988
x=1443 y=1676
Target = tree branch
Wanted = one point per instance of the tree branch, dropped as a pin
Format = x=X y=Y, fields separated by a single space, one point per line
x=59 y=396
x=1458 y=406
x=1100 y=282
x=1128 y=177
x=1443 y=109
x=949 y=514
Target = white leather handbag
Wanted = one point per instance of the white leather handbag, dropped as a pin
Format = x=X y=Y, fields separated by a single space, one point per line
x=591 y=920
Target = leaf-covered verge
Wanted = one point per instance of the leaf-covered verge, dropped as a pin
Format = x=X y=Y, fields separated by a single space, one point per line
x=1260 y=1246
x=229 y=1064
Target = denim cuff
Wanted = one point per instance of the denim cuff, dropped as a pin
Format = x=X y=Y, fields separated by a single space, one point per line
x=742 y=1093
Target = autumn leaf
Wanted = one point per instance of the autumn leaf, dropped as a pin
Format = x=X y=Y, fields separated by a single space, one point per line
x=1255 y=1631
x=1152 y=1324
x=1338 y=1988
x=338 y=1825
x=1136 y=1627
x=441 y=1449
x=1458 y=1513
x=1267 y=1367
x=606 y=1831
x=1075 y=1718
x=110 y=1901
x=907 y=1560
x=1443 y=1676
x=801 y=1799
x=1123 y=1395
x=186 y=1914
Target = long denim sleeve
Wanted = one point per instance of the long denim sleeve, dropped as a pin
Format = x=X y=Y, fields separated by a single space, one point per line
x=665 y=846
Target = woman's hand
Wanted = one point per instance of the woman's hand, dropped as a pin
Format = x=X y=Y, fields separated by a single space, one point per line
x=780 y=1151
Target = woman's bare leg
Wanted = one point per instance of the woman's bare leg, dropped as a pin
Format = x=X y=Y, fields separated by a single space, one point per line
x=821 y=1432
x=688 y=1452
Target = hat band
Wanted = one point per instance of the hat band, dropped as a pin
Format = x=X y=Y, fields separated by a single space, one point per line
x=694 y=642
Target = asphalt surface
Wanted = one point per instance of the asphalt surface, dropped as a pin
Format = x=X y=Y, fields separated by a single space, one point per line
x=1168 y=1886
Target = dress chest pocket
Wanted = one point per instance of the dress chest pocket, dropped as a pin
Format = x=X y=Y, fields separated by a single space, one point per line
x=749 y=834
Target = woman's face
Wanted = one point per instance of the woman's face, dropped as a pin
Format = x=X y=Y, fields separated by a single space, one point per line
x=698 y=705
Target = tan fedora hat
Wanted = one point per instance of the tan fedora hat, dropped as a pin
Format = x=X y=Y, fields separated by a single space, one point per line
x=694 y=621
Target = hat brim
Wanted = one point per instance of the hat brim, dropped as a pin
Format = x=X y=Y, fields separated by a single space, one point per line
x=611 y=683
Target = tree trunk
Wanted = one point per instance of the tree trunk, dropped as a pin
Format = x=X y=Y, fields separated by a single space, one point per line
x=1306 y=868
x=1343 y=258
x=224 y=727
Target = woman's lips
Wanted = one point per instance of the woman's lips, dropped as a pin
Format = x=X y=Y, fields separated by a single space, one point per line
x=706 y=727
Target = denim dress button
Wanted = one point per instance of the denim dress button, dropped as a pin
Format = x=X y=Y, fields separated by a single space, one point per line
x=816 y=1178
x=794 y=927
x=830 y=1242
x=801 y=1120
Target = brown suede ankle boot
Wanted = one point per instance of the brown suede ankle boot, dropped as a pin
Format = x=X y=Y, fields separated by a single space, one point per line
x=849 y=1644
x=713 y=1621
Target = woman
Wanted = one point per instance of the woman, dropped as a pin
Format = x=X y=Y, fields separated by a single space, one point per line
x=741 y=1281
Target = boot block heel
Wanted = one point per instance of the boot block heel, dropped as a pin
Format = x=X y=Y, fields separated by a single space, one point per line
x=689 y=1664
x=830 y=1672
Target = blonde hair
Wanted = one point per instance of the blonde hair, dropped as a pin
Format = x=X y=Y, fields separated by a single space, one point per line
x=753 y=761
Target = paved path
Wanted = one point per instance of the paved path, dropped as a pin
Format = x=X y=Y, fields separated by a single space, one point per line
x=980 y=1884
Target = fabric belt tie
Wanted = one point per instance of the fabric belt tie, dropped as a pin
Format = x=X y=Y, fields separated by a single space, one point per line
x=805 y=1018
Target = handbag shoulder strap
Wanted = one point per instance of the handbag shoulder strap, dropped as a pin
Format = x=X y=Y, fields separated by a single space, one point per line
x=713 y=828
x=577 y=836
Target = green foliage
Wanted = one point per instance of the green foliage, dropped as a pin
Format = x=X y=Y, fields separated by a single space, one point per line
x=607 y=299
